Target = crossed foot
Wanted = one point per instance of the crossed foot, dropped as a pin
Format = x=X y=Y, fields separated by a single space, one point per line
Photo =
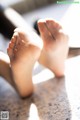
x=55 y=47
x=26 y=48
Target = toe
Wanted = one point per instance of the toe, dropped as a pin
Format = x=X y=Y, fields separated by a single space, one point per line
x=14 y=41
x=14 y=38
x=42 y=26
x=44 y=31
x=21 y=33
x=11 y=45
x=25 y=38
x=53 y=24
x=54 y=27
x=10 y=52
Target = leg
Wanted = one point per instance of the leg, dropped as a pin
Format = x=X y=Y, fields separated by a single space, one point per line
x=4 y=65
x=24 y=51
x=55 y=48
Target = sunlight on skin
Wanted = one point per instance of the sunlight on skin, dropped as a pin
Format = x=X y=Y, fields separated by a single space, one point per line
x=72 y=83
x=33 y=114
x=71 y=24
x=68 y=21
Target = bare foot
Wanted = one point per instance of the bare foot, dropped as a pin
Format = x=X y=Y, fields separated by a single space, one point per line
x=55 y=48
x=24 y=51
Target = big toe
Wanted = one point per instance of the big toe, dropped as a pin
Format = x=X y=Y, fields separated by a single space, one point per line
x=12 y=44
x=51 y=23
x=44 y=31
x=42 y=26
x=21 y=33
x=10 y=52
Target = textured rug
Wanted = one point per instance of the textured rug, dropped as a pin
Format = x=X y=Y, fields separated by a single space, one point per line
x=53 y=98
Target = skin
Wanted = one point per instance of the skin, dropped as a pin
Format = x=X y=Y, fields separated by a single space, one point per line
x=4 y=65
x=27 y=48
x=23 y=52
x=55 y=49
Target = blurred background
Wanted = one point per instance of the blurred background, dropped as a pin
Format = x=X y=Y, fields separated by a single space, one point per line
x=27 y=12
